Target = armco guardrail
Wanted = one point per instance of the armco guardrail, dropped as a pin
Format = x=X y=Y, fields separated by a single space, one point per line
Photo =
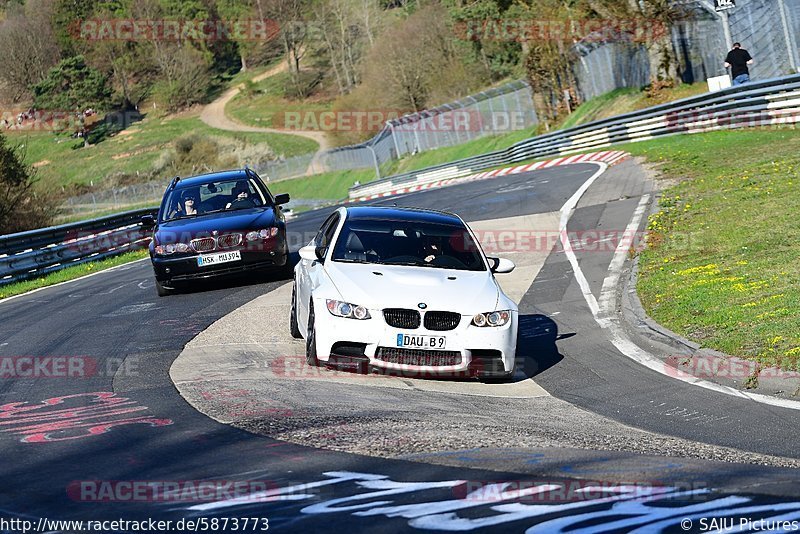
x=28 y=254
x=754 y=104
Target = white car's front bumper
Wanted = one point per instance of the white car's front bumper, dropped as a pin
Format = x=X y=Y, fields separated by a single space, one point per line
x=482 y=350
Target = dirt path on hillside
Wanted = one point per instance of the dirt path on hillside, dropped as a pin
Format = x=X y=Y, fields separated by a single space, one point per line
x=214 y=115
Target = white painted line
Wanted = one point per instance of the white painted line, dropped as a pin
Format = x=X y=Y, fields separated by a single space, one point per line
x=566 y=213
x=605 y=315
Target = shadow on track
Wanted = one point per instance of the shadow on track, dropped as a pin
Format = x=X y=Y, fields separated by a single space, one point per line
x=284 y=274
x=536 y=345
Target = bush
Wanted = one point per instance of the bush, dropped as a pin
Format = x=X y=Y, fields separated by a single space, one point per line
x=191 y=154
x=72 y=85
x=21 y=206
x=249 y=88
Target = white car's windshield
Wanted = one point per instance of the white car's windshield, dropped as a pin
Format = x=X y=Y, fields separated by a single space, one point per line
x=415 y=243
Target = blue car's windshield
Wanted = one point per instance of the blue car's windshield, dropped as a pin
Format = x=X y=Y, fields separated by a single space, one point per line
x=192 y=201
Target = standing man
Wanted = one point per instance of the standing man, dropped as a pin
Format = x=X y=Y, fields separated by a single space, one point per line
x=738 y=59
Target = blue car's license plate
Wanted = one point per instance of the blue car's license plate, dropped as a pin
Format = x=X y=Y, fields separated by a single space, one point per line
x=222 y=257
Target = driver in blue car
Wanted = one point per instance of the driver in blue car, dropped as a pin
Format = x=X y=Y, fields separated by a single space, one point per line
x=241 y=199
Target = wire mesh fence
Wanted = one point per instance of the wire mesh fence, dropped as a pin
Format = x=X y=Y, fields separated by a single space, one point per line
x=606 y=67
x=768 y=29
x=493 y=112
x=757 y=24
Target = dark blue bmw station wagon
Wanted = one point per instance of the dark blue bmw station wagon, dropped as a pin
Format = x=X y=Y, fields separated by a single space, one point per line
x=216 y=224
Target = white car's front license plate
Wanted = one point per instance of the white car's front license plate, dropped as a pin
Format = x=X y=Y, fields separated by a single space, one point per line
x=411 y=341
x=222 y=257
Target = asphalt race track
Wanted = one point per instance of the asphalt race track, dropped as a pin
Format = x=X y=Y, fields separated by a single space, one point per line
x=67 y=440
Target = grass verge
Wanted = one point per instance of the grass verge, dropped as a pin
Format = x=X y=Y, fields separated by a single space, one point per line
x=626 y=100
x=329 y=185
x=70 y=273
x=266 y=105
x=721 y=268
x=63 y=161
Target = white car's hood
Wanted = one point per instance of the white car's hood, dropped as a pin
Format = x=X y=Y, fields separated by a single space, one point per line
x=464 y=292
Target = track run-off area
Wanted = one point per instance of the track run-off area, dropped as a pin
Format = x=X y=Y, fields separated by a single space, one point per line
x=199 y=406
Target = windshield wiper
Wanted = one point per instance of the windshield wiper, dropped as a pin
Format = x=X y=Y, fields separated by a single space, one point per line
x=418 y=263
x=179 y=217
x=353 y=260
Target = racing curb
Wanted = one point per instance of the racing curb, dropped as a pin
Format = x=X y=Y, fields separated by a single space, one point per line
x=691 y=359
x=611 y=157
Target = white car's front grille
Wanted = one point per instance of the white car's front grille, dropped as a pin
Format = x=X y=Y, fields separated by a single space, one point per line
x=406 y=319
x=429 y=358
x=441 y=320
x=402 y=318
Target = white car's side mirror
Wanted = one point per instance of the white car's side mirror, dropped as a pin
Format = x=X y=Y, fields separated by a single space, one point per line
x=501 y=265
x=308 y=252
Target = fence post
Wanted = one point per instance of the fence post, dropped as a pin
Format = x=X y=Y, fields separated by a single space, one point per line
x=394 y=140
x=787 y=36
x=375 y=161
x=519 y=108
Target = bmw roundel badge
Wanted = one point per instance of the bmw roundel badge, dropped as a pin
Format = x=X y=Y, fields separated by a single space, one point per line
x=422 y=305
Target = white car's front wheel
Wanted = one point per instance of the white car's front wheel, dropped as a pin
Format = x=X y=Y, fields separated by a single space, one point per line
x=294 y=328
x=311 y=338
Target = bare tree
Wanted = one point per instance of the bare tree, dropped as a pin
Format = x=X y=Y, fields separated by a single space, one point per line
x=292 y=18
x=29 y=47
x=346 y=30
x=417 y=64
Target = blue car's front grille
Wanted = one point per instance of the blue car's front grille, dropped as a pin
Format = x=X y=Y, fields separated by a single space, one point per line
x=229 y=240
x=203 y=244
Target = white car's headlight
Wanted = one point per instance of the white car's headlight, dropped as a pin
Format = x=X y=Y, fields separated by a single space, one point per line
x=495 y=318
x=347 y=310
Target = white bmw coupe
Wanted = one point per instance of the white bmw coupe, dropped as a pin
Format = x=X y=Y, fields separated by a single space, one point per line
x=405 y=290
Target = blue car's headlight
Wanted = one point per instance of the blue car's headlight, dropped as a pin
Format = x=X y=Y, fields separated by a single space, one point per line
x=264 y=233
x=347 y=310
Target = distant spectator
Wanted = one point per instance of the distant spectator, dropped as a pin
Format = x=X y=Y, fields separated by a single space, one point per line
x=738 y=59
